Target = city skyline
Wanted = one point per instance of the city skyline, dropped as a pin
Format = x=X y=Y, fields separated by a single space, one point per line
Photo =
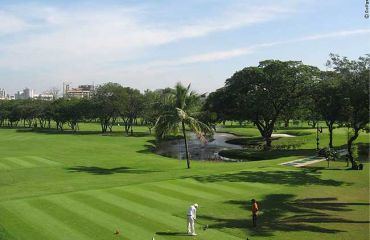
x=147 y=45
x=68 y=89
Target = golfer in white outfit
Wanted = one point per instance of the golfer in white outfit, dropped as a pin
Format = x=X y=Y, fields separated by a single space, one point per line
x=192 y=216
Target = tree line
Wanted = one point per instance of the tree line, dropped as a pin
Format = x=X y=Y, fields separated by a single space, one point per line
x=111 y=104
x=274 y=91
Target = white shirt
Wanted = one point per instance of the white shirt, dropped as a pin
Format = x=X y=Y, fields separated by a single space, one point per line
x=192 y=211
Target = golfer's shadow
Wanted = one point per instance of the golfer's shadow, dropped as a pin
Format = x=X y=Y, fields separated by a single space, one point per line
x=172 y=233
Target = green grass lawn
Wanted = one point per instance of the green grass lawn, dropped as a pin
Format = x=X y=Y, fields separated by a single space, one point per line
x=85 y=186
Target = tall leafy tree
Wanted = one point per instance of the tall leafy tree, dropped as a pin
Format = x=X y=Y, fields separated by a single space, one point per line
x=14 y=112
x=4 y=112
x=130 y=108
x=176 y=111
x=59 y=113
x=75 y=112
x=355 y=86
x=261 y=94
x=44 y=113
x=106 y=103
x=328 y=99
x=151 y=107
x=220 y=103
x=28 y=112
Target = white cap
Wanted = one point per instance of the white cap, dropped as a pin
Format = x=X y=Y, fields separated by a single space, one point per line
x=196 y=205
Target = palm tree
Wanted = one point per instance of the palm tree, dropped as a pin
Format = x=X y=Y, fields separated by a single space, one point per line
x=176 y=109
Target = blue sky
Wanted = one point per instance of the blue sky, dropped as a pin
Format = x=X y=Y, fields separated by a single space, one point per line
x=154 y=44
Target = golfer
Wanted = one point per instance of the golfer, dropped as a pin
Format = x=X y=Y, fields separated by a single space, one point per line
x=254 y=212
x=192 y=216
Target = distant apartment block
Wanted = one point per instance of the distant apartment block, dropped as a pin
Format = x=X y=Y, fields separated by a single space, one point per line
x=25 y=94
x=82 y=91
x=44 y=96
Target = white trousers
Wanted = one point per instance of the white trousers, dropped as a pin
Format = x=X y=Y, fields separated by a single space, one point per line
x=191 y=229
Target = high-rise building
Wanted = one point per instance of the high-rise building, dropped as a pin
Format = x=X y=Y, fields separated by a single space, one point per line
x=18 y=95
x=25 y=94
x=2 y=94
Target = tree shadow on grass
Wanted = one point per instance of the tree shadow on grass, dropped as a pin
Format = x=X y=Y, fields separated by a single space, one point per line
x=307 y=177
x=257 y=155
x=106 y=171
x=81 y=132
x=149 y=149
x=55 y=131
x=282 y=212
x=315 y=169
x=123 y=134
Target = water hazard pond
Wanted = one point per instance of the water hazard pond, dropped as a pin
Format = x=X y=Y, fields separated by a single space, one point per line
x=176 y=148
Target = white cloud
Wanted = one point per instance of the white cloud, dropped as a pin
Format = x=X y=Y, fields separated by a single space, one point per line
x=235 y=18
x=11 y=24
x=199 y=58
x=333 y=34
x=227 y=54
x=50 y=37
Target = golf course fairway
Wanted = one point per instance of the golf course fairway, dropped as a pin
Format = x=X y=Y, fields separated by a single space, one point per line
x=89 y=186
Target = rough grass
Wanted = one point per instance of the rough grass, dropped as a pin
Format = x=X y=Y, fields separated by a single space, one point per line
x=86 y=186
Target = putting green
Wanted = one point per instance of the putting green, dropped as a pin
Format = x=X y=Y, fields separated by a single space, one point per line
x=87 y=186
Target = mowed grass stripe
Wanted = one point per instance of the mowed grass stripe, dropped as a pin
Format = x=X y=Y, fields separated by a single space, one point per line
x=65 y=213
x=153 y=195
x=20 y=162
x=169 y=191
x=13 y=223
x=47 y=224
x=11 y=164
x=161 y=202
x=238 y=188
x=155 y=215
x=10 y=137
x=188 y=189
x=18 y=137
x=246 y=186
x=211 y=188
x=143 y=196
x=43 y=160
x=149 y=212
x=104 y=215
x=4 y=166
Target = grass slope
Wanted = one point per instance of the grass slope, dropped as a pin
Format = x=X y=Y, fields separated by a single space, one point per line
x=85 y=186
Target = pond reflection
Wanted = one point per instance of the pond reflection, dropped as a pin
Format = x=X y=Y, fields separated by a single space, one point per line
x=197 y=150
